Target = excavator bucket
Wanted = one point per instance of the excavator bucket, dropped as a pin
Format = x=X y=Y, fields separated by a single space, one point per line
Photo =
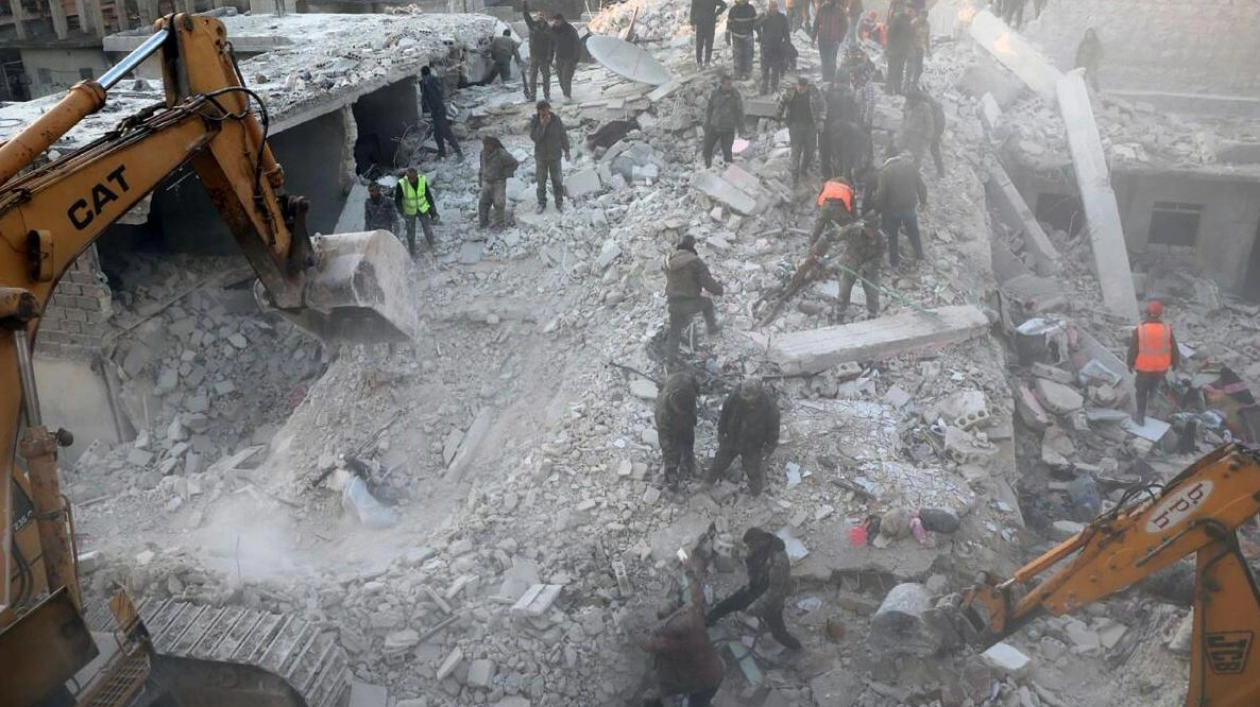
x=359 y=290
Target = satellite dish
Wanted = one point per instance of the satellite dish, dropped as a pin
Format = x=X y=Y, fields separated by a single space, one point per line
x=625 y=59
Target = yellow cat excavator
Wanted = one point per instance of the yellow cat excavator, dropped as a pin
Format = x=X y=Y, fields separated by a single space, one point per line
x=348 y=285
x=1197 y=513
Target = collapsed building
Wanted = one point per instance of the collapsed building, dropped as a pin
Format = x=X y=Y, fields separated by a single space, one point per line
x=477 y=518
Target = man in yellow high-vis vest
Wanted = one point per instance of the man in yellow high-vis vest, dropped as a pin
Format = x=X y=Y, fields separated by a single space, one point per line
x=414 y=200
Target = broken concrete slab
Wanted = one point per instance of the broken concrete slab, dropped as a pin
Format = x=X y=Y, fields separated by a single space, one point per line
x=1093 y=179
x=761 y=108
x=813 y=351
x=481 y=673
x=902 y=625
x=1007 y=658
x=537 y=600
x=363 y=694
x=990 y=114
x=1019 y=218
x=1015 y=53
x=468 y=445
x=683 y=533
x=985 y=78
x=581 y=183
x=1153 y=430
x=725 y=193
x=1058 y=398
x=836 y=688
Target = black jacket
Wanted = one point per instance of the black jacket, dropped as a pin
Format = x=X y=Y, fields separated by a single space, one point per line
x=542 y=41
x=431 y=96
x=742 y=19
x=704 y=13
x=774 y=31
x=551 y=142
x=568 y=43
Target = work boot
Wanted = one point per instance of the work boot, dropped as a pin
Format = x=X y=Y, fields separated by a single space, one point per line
x=541 y=208
x=559 y=206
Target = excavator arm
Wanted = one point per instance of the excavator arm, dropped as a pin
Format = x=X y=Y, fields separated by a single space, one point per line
x=51 y=214
x=1198 y=512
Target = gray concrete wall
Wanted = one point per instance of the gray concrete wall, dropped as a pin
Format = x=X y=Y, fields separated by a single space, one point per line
x=1227 y=227
x=1189 y=46
x=382 y=117
x=60 y=68
x=73 y=395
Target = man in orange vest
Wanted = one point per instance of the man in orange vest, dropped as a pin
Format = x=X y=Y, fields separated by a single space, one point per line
x=1152 y=351
x=835 y=206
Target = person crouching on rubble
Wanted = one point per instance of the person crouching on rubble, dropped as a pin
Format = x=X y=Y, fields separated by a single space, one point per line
x=685 y=662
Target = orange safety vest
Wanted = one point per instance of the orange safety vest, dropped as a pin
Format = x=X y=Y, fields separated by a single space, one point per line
x=837 y=190
x=1154 y=348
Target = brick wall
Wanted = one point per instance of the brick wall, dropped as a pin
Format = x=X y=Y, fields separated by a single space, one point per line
x=1186 y=46
x=74 y=321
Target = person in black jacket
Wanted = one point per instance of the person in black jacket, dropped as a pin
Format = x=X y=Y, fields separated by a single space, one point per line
x=542 y=49
x=551 y=141
x=773 y=30
x=769 y=583
x=568 y=50
x=704 y=14
x=431 y=100
x=741 y=24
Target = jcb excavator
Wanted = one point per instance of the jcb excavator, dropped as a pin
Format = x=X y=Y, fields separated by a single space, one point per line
x=1198 y=512
x=350 y=285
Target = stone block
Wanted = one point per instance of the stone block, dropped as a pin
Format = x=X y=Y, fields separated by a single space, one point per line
x=1030 y=410
x=452 y=661
x=581 y=183
x=481 y=674
x=901 y=625
x=724 y=192
x=1054 y=373
x=364 y=695
x=1058 y=398
x=537 y=600
x=139 y=457
x=609 y=252
x=643 y=389
x=813 y=351
x=761 y=108
x=1007 y=658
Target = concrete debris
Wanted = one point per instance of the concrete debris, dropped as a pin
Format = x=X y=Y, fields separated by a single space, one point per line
x=1007 y=659
x=903 y=624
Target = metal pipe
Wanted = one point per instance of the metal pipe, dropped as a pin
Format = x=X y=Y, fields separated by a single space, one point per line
x=26 y=371
x=129 y=63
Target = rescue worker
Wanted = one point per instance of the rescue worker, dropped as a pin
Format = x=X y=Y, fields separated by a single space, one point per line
x=920 y=47
x=414 y=201
x=568 y=49
x=900 y=41
x=1089 y=56
x=704 y=16
x=741 y=23
x=676 y=427
x=897 y=198
x=497 y=165
x=503 y=51
x=855 y=10
x=686 y=277
x=773 y=30
x=769 y=583
x=831 y=25
x=840 y=141
x=723 y=118
x=431 y=100
x=797 y=13
x=802 y=108
x=749 y=429
x=1152 y=352
x=551 y=141
x=685 y=662
x=835 y=206
x=542 y=49
x=938 y=129
x=861 y=259
x=918 y=126
x=378 y=212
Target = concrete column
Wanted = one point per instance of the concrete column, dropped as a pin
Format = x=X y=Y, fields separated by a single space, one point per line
x=148 y=11
x=97 y=14
x=124 y=17
x=19 y=16
x=60 y=24
x=85 y=22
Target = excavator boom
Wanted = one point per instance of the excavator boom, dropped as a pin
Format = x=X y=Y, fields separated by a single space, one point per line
x=1197 y=513
x=347 y=285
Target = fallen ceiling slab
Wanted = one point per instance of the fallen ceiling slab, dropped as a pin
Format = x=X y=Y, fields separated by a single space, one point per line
x=1015 y=53
x=625 y=59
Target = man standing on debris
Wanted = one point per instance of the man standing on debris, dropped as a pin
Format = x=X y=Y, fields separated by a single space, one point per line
x=497 y=165
x=861 y=259
x=897 y=198
x=704 y=14
x=920 y=48
x=551 y=141
x=414 y=200
x=1152 y=352
x=686 y=663
x=938 y=129
x=797 y=13
x=831 y=25
x=723 y=117
x=917 y=126
x=432 y=101
x=769 y=583
x=542 y=49
x=741 y=23
x=802 y=108
x=749 y=429
x=676 y=427
x=686 y=277
x=1013 y=13
x=1089 y=56
x=841 y=140
x=378 y=212
x=503 y=51
x=772 y=27
x=900 y=42
x=568 y=51
x=855 y=10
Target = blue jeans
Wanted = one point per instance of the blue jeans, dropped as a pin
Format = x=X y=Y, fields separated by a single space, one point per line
x=893 y=220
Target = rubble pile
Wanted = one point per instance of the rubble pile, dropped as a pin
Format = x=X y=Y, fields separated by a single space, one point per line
x=479 y=516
